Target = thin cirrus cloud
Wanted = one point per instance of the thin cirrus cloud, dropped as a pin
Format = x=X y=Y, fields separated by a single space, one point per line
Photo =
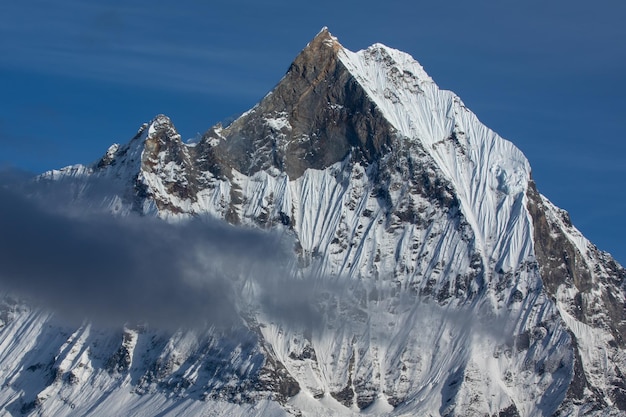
x=147 y=47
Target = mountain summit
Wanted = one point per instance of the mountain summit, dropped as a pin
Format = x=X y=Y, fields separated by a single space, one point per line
x=315 y=116
x=442 y=282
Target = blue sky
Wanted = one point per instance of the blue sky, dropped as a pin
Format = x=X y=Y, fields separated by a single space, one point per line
x=76 y=76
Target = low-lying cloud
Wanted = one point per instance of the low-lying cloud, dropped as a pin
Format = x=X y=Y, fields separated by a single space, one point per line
x=118 y=269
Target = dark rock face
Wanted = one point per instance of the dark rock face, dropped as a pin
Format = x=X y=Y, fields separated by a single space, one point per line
x=510 y=411
x=561 y=263
x=554 y=251
x=596 y=302
x=315 y=117
x=275 y=378
x=121 y=359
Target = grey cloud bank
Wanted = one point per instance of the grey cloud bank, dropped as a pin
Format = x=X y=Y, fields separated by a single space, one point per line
x=119 y=269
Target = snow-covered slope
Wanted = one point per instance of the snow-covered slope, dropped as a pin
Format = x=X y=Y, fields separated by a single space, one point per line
x=445 y=284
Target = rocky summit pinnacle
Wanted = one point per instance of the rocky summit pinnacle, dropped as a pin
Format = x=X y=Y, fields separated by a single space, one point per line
x=425 y=274
x=315 y=117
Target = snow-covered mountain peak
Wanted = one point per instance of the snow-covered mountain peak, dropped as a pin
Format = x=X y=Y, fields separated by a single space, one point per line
x=153 y=140
x=440 y=281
